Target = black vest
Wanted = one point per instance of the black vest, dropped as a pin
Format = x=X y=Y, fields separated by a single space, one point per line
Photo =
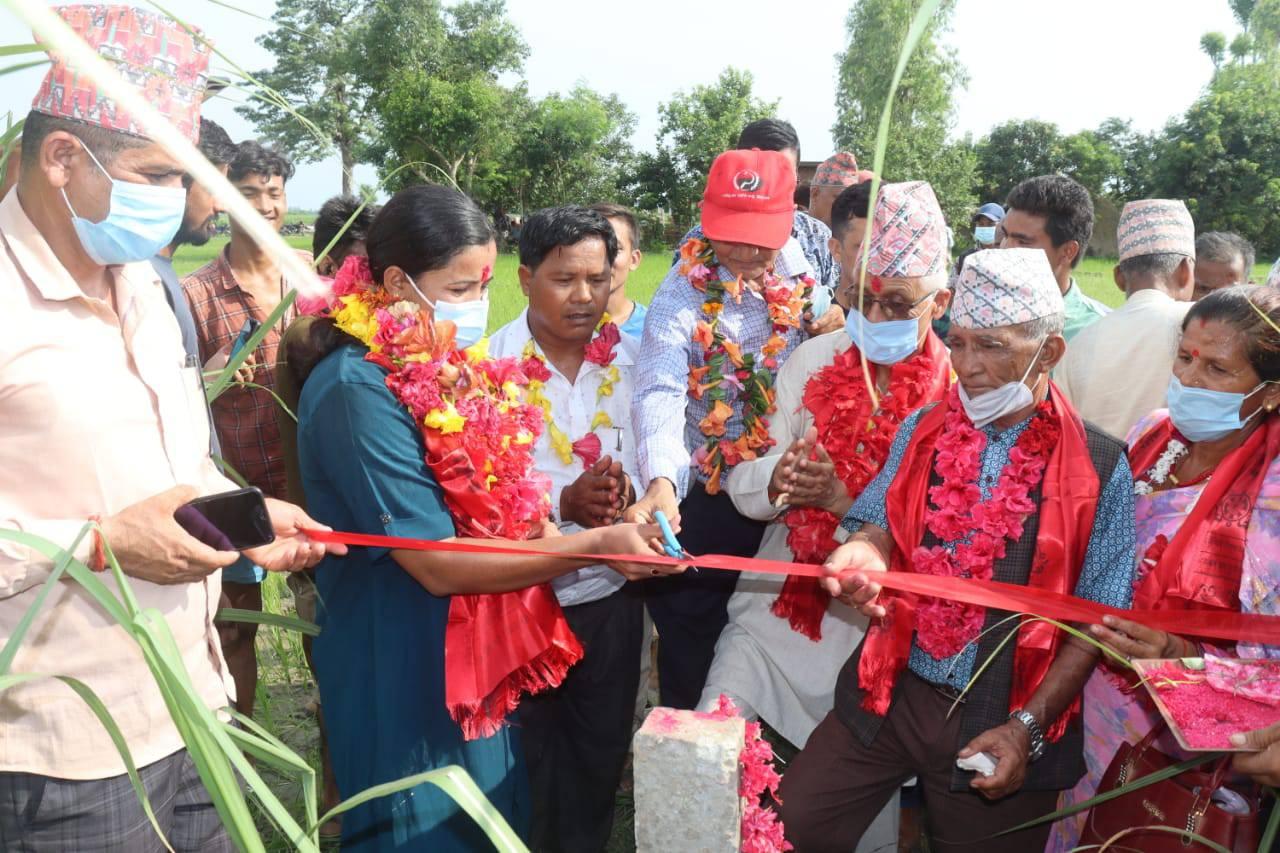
x=987 y=702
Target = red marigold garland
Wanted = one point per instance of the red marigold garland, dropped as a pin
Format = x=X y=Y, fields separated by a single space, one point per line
x=857 y=437
x=981 y=529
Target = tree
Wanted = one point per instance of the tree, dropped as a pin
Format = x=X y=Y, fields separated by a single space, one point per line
x=695 y=126
x=1015 y=151
x=1090 y=158
x=1214 y=46
x=318 y=71
x=923 y=112
x=1243 y=11
x=1223 y=156
x=442 y=104
x=1136 y=177
x=1241 y=47
x=572 y=149
x=1264 y=27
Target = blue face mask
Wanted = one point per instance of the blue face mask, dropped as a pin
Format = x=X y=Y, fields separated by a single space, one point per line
x=470 y=318
x=1204 y=415
x=886 y=342
x=820 y=301
x=985 y=236
x=141 y=220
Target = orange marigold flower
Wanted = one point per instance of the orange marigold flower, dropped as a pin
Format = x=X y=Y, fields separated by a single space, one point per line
x=713 y=423
x=696 y=386
x=734 y=288
x=774 y=345
x=734 y=351
x=703 y=334
x=713 y=482
x=712 y=308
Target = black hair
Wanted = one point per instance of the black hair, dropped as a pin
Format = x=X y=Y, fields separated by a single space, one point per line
x=1254 y=312
x=105 y=144
x=1226 y=247
x=770 y=134
x=331 y=219
x=613 y=211
x=1160 y=265
x=854 y=202
x=553 y=227
x=1065 y=205
x=422 y=228
x=254 y=158
x=215 y=144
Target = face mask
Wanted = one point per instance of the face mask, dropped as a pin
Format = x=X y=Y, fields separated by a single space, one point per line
x=820 y=301
x=471 y=318
x=1204 y=415
x=141 y=221
x=995 y=404
x=886 y=342
x=985 y=235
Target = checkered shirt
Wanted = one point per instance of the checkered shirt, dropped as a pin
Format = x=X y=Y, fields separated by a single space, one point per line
x=245 y=418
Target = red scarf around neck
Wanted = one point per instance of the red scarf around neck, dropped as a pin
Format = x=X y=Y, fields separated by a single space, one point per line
x=1069 y=499
x=857 y=440
x=1200 y=569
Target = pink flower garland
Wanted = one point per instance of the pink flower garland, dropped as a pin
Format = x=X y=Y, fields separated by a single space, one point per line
x=957 y=511
x=762 y=832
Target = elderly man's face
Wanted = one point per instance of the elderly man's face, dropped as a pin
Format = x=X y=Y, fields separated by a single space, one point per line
x=1215 y=275
x=744 y=260
x=921 y=299
x=985 y=359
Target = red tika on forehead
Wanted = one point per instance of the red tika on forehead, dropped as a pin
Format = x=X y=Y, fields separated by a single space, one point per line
x=876 y=284
x=484 y=272
x=1195 y=353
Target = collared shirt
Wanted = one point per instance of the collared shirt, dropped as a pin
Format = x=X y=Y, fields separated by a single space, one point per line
x=665 y=416
x=1142 y=335
x=98 y=412
x=1105 y=577
x=812 y=234
x=245 y=418
x=574 y=406
x=1081 y=310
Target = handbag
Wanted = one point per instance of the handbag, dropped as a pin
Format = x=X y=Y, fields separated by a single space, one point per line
x=1183 y=802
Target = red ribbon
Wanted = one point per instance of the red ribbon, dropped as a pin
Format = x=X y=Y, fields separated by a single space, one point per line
x=1237 y=627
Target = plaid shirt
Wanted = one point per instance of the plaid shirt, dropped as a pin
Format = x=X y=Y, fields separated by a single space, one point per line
x=665 y=417
x=245 y=418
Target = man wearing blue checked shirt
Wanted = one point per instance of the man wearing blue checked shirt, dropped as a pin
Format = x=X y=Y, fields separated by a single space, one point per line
x=747 y=216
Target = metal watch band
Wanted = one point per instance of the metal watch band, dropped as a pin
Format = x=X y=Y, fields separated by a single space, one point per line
x=1033 y=728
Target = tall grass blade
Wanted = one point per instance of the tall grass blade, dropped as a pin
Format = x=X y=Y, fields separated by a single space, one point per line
x=274 y=620
x=455 y=782
x=227 y=375
x=10 y=649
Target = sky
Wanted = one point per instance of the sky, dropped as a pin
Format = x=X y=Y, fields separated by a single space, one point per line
x=1072 y=63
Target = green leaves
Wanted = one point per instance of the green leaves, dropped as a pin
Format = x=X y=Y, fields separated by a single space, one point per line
x=217 y=748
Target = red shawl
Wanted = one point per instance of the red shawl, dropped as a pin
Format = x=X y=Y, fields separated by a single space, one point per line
x=499 y=645
x=1201 y=566
x=858 y=440
x=1069 y=498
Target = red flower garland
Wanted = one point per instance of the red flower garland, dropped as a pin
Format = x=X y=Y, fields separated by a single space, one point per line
x=957 y=513
x=857 y=439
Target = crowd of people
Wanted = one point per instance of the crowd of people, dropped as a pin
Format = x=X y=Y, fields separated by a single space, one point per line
x=829 y=387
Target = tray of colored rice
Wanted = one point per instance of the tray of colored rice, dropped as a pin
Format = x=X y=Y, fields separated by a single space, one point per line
x=1206 y=700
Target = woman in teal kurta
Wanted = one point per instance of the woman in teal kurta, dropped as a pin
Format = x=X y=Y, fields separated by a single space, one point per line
x=380 y=654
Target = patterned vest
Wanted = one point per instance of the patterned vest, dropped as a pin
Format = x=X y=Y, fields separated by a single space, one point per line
x=987 y=702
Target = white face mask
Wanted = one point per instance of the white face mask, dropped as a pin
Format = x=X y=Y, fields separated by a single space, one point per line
x=998 y=402
x=469 y=318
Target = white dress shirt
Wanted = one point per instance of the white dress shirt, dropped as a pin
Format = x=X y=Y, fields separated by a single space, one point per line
x=574 y=406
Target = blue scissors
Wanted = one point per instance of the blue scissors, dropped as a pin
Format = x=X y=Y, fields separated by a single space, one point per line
x=669 y=542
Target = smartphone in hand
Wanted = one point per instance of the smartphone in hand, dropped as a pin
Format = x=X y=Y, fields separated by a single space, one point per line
x=228 y=521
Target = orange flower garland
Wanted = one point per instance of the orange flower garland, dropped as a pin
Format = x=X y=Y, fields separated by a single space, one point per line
x=728 y=373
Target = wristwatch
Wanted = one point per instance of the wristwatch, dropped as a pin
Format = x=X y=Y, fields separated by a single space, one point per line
x=1033 y=728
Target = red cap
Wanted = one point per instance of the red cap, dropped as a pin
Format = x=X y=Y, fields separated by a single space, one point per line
x=750 y=198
